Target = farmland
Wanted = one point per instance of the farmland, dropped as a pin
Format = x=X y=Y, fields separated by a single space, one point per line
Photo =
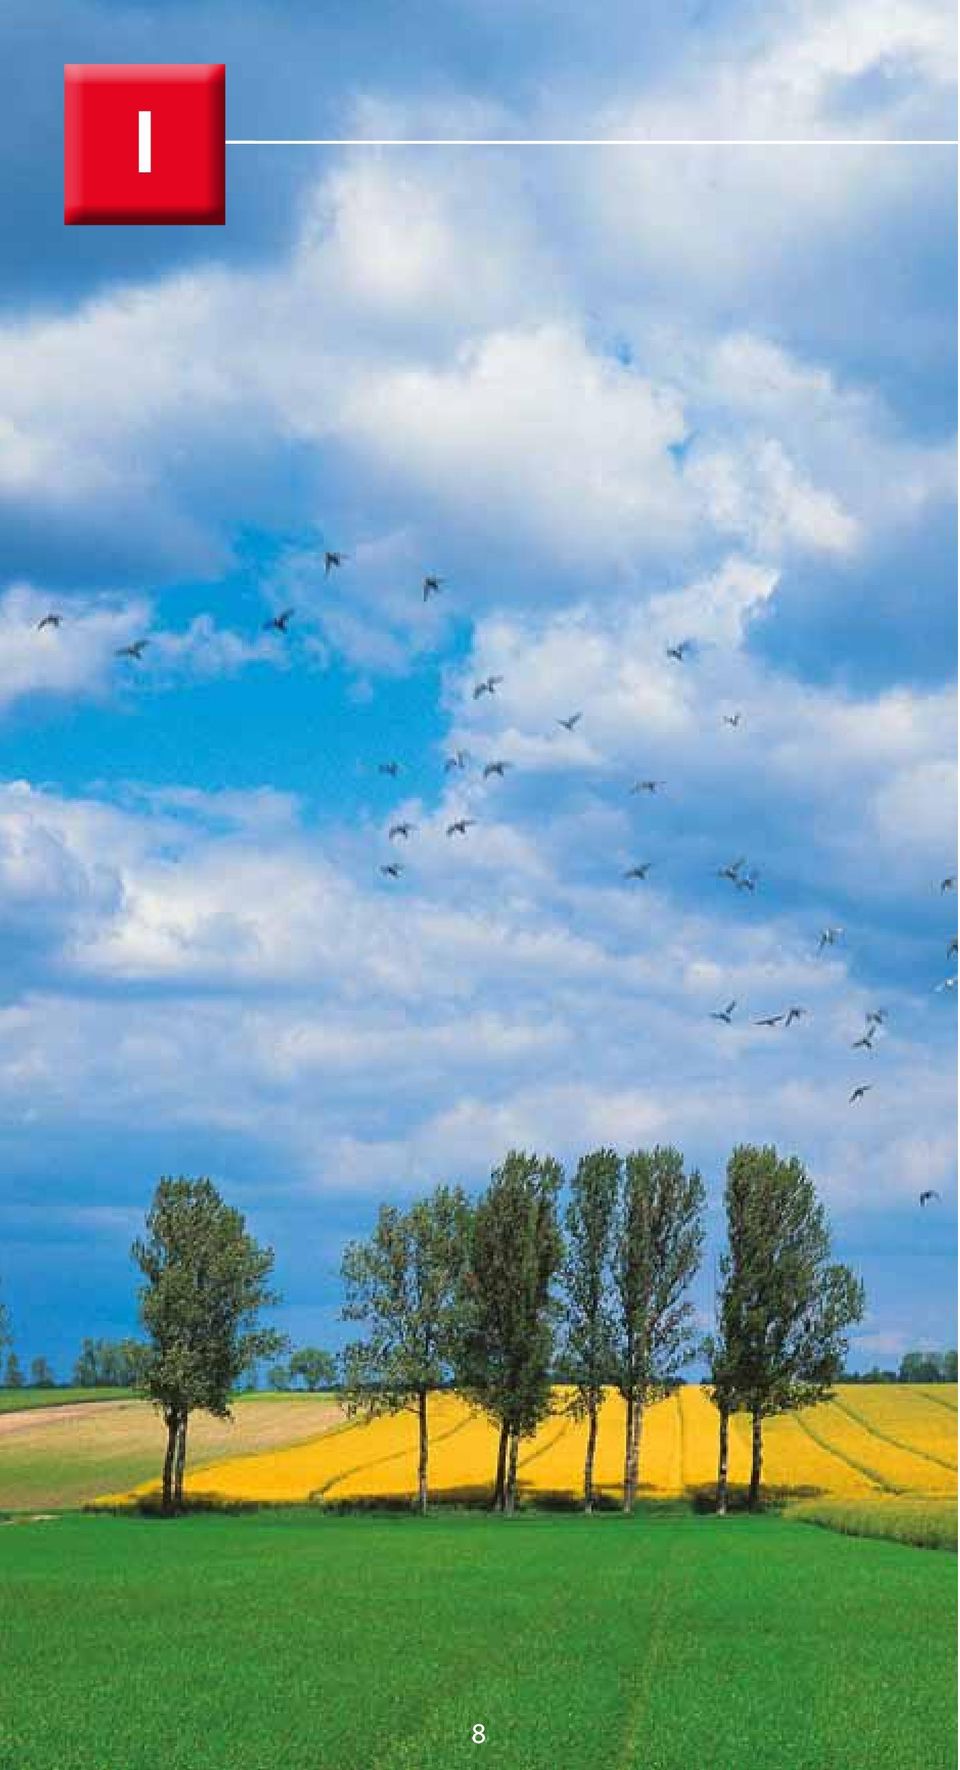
x=377 y=1643
x=868 y=1443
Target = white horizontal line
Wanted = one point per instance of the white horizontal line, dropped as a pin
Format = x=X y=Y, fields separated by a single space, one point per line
x=643 y=141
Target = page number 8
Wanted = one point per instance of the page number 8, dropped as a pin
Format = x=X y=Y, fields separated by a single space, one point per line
x=479 y=1736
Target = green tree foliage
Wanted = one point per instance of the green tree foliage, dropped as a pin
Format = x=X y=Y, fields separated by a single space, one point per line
x=587 y=1353
x=784 y=1307
x=508 y=1327
x=314 y=1368
x=41 y=1374
x=110 y=1364
x=404 y=1285
x=658 y=1243
x=928 y=1367
x=12 y=1372
x=6 y=1327
x=278 y=1377
x=206 y=1282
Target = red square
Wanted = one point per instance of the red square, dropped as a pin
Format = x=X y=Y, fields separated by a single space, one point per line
x=144 y=143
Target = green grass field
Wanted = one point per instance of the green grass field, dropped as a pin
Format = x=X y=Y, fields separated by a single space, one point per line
x=15 y=1401
x=301 y=1642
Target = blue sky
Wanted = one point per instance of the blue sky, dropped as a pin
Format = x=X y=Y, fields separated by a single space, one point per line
x=615 y=398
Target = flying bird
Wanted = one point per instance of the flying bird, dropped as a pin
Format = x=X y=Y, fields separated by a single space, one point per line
x=647 y=786
x=860 y=1093
x=732 y=872
x=639 y=872
x=927 y=1194
x=499 y=768
x=571 y=723
x=724 y=1014
x=876 y=1016
x=392 y=870
x=794 y=1014
x=432 y=587
x=731 y=719
x=279 y=623
x=948 y=983
x=865 y=1042
x=50 y=620
x=747 y=881
x=331 y=561
x=828 y=937
x=489 y=685
x=769 y=1020
x=460 y=826
x=951 y=949
x=679 y=652
x=457 y=760
x=403 y=830
x=391 y=768
x=135 y=649
x=949 y=883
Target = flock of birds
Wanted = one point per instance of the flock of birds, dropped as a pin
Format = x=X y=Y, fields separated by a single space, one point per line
x=737 y=873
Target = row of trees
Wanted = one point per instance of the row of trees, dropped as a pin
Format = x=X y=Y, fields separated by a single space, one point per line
x=914 y=1367
x=502 y=1297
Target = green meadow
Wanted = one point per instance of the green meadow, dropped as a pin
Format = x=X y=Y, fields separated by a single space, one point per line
x=294 y=1641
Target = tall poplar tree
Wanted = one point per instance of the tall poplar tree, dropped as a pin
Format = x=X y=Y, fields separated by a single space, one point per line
x=206 y=1282
x=405 y=1285
x=508 y=1338
x=657 y=1248
x=784 y=1308
x=588 y=1323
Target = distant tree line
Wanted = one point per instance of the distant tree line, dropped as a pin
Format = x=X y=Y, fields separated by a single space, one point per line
x=914 y=1367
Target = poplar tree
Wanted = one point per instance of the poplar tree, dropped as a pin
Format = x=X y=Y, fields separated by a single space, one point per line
x=784 y=1308
x=405 y=1285
x=508 y=1330
x=588 y=1323
x=657 y=1248
x=205 y=1285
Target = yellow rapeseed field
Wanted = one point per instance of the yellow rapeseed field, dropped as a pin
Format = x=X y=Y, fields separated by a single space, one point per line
x=872 y=1440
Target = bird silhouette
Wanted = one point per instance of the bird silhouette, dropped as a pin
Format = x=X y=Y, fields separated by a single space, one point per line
x=769 y=1020
x=392 y=869
x=747 y=881
x=876 y=1016
x=828 y=937
x=135 y=649
x=647 y=786
x=391 y=768
x=460 y=826
x=571 y=723
x=951 y=949
x=732 y=871
x=949 y=883
x=724 y=1014
x=332 y=560
x=403 y=830
x=679 y=651
x=279 y=623
x=865 y=1042
x=794 y=1014
x=457 y=760
x=859 y=1093
x=432 y=587
x=927 y=1194
x=639 y=872
x=498 y=768
x=731 y=719
x=948 y=983
x=50 y=620
x=489 y=685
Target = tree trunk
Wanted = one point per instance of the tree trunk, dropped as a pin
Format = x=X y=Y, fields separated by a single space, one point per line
x=627 y=1444
x=171 y=1420
x=588 y=1464
x=499 y=1484
x=510 y=1497
x=722 y=1461
x=756 y=1465
x=424 y=1454
x=180 y=1462
x=631 y=1469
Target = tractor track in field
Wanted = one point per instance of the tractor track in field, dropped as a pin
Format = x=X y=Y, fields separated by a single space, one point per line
x=912 y=1450
x=387 y=1457
x=850 y=1462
